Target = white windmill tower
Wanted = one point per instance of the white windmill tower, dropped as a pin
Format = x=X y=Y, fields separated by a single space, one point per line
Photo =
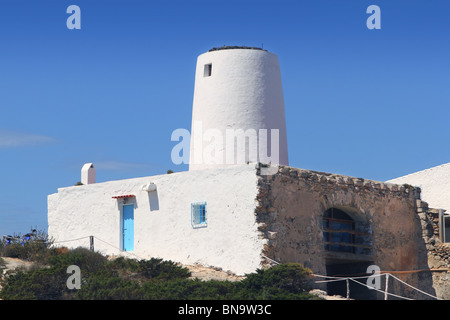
x=238 y=94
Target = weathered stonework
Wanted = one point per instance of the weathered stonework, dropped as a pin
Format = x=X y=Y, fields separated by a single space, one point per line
x=438 y=251
x=290 y=209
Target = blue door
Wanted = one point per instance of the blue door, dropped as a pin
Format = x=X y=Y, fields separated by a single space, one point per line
x=128 y=227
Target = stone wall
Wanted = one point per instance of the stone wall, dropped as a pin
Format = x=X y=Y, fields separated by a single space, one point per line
x=438 y=251
x=290 y=208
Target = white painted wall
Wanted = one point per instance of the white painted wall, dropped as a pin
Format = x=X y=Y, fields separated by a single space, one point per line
x=435 y=185
x=244 y=92
x=163 y=218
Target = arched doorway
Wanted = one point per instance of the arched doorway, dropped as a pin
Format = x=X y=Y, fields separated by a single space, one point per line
x=348 y=251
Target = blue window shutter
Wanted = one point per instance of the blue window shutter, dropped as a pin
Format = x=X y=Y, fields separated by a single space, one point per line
x=198 y=214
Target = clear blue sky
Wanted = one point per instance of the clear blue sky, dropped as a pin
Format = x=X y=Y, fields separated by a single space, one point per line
x=360 y=102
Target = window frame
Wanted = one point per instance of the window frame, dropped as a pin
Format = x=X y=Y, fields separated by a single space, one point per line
x=207 y=70
x=443 y=226
x=199 y=217
x=347 y=239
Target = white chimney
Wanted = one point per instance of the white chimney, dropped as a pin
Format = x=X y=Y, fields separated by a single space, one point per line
x=88 y=174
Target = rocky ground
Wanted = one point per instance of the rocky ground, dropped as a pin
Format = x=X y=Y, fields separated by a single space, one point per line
x=322 y=294
x=205 y=273
x=14 y=263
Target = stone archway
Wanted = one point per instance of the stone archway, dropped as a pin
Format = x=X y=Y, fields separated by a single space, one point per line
x=348 y=250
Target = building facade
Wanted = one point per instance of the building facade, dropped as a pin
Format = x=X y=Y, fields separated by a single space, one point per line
x=239 y=220
x=234 y=213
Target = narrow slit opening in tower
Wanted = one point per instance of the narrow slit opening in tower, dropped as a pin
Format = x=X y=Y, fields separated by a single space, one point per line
x=208 y=70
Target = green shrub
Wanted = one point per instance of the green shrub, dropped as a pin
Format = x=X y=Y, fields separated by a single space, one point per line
x=122 y=279
x=186 y=289
x=2 y=265
x=154 y=268
x=88 y=261
x=118 y=279
x=107 y=285
x=283 y=282
x=37 y=248
x=40 y=284
x=158 y=269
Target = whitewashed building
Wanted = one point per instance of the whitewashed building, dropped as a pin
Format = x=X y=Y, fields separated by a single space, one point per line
x=207 y=214
x=434 y=182
x=435 y=185
x=239 y=209
x=202 y=217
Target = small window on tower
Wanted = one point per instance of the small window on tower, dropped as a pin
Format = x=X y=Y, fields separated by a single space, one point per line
x=208 y=70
